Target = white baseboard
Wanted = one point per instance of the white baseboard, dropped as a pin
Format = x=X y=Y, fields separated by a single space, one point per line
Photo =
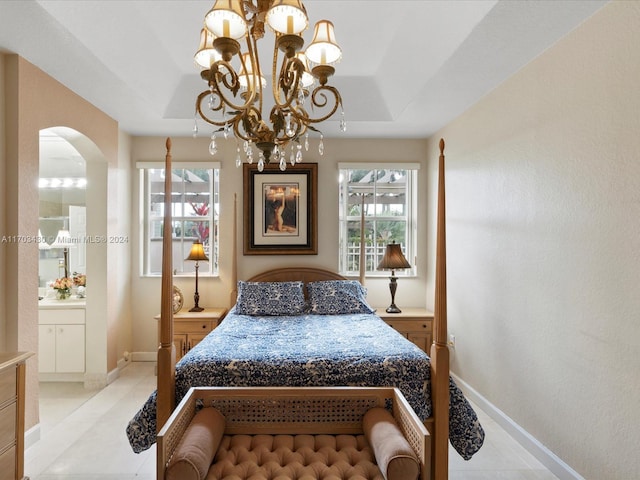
x=545 y=456
x=144 y=356
x=31 y=436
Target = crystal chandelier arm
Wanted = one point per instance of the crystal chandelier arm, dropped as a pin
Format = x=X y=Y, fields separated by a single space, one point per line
x=320 y=100
x=221 y=82
x=289 y=82
x=203 y=115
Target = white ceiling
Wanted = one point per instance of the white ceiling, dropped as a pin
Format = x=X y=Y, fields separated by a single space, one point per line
x=408 y=68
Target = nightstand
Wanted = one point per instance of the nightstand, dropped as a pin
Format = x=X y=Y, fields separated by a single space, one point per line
x=414 y=323
x=189 y=328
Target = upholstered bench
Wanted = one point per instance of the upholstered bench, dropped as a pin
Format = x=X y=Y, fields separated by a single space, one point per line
x=293 y=433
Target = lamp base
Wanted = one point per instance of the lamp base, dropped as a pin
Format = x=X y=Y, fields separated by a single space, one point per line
x=196 y=309
x=393 y=309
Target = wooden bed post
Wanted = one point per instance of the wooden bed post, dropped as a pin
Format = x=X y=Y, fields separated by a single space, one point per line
x=167 y=350
x=363 y=248
x=234 y=253
x=440 y=348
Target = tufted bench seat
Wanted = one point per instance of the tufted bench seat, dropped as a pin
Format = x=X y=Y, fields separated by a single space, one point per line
x=295 y=456
x=315 y=433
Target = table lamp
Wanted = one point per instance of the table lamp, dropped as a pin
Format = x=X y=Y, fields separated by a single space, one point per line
x=64 y=241
x=197 y=254
x=393 y=259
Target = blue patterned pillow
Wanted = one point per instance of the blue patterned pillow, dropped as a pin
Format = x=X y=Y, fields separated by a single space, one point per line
x=270 y=298
x=337 y=297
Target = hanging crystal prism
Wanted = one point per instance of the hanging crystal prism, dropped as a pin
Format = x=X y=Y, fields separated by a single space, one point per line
x=292 y=157
x=306 y=141
x=283 y=164
x=238 y=158
x=249 y=152
x=260 y=162
x=287 y=125
x=299 y=154
x=343 y=122
x=213 y=147
x=212 y=101
x=321 y=145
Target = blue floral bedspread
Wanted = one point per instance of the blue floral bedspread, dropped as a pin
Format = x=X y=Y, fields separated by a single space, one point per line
x=312 y=350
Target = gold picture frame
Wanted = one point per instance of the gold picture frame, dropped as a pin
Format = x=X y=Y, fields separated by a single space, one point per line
x=280 y=210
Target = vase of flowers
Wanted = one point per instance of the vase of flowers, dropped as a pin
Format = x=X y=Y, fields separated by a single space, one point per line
x=79 y=279
x=80 y=284
x=62 y=286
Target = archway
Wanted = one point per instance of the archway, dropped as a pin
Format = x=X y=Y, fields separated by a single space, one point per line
x=92 y=244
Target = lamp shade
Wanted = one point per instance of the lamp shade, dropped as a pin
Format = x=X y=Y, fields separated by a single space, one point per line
x=323 y=49
x=247 y=77
x=42 y=243
x=197 y=252
x=307 y=78
x=206 y=54
x=63 y=240
x=287 y=17
x=393 y=258
x=226 y=19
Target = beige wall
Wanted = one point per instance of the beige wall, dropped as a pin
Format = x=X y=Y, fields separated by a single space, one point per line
x=34 y=101
x=543 y=187
x=215 y=291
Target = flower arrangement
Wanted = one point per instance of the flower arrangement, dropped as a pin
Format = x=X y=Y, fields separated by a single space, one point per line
x=62 y=286
x=79 y=279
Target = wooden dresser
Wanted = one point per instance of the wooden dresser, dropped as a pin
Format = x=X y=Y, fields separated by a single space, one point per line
x=12 y=381
x=414 y=323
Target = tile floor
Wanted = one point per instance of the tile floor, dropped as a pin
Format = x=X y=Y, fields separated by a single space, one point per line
x=83 y=437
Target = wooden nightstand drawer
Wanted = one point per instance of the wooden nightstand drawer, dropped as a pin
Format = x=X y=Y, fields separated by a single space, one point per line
x=194 y=326
x=414 y=323
x=411 y=325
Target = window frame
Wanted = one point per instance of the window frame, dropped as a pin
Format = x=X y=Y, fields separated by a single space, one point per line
x=207 y=269
x=410 y=218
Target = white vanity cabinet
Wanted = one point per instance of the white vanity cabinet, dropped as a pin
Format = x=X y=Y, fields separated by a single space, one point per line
x=61 y=346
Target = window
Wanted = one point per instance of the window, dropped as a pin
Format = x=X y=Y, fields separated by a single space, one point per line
x=390 y=198
x=195 y=209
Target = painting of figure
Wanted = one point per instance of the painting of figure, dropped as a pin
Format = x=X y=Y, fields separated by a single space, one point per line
x=281 y=209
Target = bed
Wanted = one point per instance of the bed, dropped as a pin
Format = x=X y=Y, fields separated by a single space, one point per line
x=253 y=347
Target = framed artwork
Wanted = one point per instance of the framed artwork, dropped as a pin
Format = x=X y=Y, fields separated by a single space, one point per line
x=280 y=210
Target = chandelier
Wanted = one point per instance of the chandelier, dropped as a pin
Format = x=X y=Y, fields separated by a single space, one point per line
x=235 y=100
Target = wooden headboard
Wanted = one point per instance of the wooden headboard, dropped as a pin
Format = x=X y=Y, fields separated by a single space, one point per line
x=292 y=274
